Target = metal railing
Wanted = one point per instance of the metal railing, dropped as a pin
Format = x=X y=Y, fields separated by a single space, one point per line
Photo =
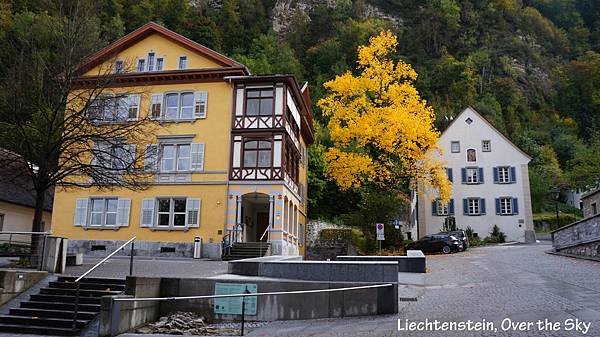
x=265 y=233
x=231 y=238
x=115 y=313
x=19 y=244
x=77 y=284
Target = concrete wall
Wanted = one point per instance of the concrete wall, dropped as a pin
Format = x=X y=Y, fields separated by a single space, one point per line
x=91 y=248
x=373 y=301
x=581 y=238
x=414 y=262
x=14 y=282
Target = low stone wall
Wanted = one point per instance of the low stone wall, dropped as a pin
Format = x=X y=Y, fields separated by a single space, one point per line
x=14 y=282
x=313 y=228
x=329 y=250
x=581 y=238
x=413 y=262
x=127 y=316
x=100 y=248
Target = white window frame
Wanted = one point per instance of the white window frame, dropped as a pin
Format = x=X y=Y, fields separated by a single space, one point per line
x=454 y=149
x=179 y=106
x=443 y=208
x=171 y=212
x=141 y=65
x=474 y=206
x=185 y=62
x=115 y=108
x=506 y=206
x=472 y=178
x=176 y=157
x=151 y=61
x=504 y=174
x=162 y=63
x=486 y=145
x=104 y=212
x=119 y=66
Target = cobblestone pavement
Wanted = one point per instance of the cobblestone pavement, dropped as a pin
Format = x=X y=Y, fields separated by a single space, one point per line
x=119 y=267
x=518 y=282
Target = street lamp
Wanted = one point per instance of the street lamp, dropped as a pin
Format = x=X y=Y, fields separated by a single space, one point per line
x=556 y=195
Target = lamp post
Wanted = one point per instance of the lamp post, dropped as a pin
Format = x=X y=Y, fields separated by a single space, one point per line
x=556 y=195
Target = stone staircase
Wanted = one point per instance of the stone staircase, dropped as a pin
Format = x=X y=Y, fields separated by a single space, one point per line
x=51 y=311
x=246 y=250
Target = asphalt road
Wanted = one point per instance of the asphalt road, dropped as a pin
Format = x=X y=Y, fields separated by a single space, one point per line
x=515 y=284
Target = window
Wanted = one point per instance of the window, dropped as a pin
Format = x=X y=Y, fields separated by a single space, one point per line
x=141 y=66
x=257 y=153
x=150 y=61
x=506 y=206
x=455 y=147
x=179 y=105
x=472 y=176
x=486 y=146
x=259 y=102
x=504 y=175
x=175 y=157
x=1 y=222
x=594 y=209
x=159 y=64
x=474 y=207
x=471 y=155
x=113 y=157
x=172 y=212
x=103 y=211
x=119 y=66
x=182 y=62
x=109 y=108
x=442 y=208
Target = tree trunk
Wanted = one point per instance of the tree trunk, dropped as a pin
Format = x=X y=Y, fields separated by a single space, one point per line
x=37 y=239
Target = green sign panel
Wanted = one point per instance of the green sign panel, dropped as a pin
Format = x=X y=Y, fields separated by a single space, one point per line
x=233 y=305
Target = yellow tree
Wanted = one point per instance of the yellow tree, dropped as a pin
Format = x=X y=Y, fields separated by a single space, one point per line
x=381 y=129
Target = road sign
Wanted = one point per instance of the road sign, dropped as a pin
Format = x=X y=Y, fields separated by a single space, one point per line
x=379 y=231
x=233 y=305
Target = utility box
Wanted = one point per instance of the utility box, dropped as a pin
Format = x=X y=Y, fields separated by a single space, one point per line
x=197 y=247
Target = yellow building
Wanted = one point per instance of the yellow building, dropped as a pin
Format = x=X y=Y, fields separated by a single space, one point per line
x=228 y=158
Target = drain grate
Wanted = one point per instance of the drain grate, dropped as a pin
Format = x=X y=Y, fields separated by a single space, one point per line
x=407 y=299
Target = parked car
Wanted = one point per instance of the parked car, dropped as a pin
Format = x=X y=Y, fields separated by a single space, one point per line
x=461 y=235
x=437 y=243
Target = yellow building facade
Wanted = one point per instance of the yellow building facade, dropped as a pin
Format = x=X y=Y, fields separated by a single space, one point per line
x=226 y=158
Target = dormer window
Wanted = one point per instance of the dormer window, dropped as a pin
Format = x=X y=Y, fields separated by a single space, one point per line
x=182 y=62
x=471 y=155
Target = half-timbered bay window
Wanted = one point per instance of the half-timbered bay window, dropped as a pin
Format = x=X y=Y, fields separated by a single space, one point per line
x=170 y=213
x=257 y=153
x=292 y=162
x=173 y=106
x=100 y=212
x=259 y=102
x=111 y=108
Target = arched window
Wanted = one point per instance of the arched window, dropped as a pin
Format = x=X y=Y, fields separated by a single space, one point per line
x=471 y=155
x=257 y=153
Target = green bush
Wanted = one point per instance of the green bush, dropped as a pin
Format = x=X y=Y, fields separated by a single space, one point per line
x=352 y=235
x=496 y=236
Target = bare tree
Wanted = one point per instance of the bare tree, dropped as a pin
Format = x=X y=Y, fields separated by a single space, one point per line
x=60 y=130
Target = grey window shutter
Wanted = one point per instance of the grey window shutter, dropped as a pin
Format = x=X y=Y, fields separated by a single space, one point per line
x=515 y=206
x=497 y=206
x=200 y=104
x=482 y=205
x=513 y=174
x=123 y=211
x=481 y=175
x=197 y=156
x=151 y=158
x=449 y=172
x=463 y=173
x=496 y=175
x=465 y=206
x=147 y=216
x=451 y=207
x=81 y=207
x=434 y=207
x=193 y=212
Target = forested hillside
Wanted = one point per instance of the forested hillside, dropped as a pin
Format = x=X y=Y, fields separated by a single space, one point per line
x=531 y=67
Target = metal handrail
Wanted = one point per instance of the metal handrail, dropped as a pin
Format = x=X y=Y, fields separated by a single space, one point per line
x=265 y=232
x=77 y=284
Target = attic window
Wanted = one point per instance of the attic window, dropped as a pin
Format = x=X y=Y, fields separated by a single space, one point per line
x=469 y=121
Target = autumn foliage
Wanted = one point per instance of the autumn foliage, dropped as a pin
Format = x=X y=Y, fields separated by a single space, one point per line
x=381 y=129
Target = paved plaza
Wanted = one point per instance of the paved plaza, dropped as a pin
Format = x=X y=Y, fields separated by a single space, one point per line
x=519 y=282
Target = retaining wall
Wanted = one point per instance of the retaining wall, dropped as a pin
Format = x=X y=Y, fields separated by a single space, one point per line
x=413 y=262
x=581 y=238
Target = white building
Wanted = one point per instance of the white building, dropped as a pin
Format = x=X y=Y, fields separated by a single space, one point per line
x=490 y=181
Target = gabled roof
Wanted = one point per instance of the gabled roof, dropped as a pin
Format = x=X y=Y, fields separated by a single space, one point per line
x=490 y=125
x=16 y=186
x=130 y=39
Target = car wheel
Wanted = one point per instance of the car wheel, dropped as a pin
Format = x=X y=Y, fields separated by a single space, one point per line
x=446 y=250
